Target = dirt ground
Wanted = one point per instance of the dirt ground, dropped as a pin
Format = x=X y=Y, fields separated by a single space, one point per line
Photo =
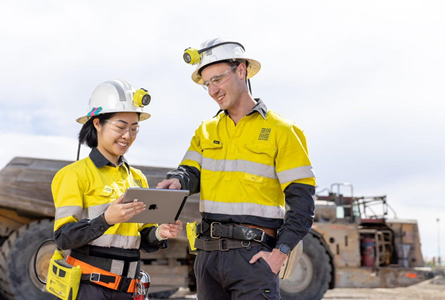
x=428 y=290
x=433 y=289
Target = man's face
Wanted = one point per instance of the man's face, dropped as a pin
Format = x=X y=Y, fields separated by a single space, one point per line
x=229 y=83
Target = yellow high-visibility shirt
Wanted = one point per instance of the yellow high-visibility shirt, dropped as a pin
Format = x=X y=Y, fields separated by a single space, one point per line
x=83 y=191
x=246 y=168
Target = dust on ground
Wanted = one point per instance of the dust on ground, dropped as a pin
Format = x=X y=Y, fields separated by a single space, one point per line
x=433 y=289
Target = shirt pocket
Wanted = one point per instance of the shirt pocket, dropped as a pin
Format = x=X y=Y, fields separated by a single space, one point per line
x=258 y=163
x=99 y=199
x=211 y=158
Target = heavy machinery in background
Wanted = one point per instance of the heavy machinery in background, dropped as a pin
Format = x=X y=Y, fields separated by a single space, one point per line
x=349 y=245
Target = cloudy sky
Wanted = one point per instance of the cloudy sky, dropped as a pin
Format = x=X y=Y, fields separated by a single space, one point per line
x=364 y=79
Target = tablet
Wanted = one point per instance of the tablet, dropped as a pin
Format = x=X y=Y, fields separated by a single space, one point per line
x=162 y=205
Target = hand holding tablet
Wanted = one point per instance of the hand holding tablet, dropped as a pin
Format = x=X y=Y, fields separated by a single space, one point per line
x=162 y=205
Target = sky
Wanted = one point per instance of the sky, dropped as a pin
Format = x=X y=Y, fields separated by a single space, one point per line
x=361 y=78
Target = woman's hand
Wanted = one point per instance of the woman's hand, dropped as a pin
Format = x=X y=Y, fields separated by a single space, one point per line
x=119 y=212
x=170 y=230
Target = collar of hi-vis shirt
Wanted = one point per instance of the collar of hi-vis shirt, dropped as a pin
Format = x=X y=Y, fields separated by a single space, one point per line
x=259 y=107
x=99 y=160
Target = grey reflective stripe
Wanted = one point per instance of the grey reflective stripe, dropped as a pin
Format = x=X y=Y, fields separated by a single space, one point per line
x=295 y=174
x=243 y=208
x=132 y=269
x=118 y=241
x=193 y=155
x=239 y=166
x=119 y=90
x=66 y=211
x=96 y=210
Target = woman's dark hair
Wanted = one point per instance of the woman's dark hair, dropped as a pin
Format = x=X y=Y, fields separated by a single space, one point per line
x=88 y=133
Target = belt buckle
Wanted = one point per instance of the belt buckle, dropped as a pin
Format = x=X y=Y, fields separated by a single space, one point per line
x=211 y=230
x=95 y=277
x=262 y=236
x=221 y=248
x=245 y=244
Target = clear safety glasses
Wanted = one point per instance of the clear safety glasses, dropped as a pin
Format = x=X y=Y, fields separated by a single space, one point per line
x=120 y=127
x=218 y=79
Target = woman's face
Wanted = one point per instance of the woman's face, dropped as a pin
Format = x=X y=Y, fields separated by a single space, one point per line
x=116 y=134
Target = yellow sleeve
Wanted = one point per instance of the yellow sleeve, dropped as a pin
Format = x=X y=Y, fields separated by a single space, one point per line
x=193 y=156
x=68 y=191
x=292 y=162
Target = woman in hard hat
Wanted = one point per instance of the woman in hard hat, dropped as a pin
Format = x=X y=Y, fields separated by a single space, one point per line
x=88 y=197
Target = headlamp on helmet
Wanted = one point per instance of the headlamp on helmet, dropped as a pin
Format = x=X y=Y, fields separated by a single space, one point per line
x=193 y=56
x=141 y=98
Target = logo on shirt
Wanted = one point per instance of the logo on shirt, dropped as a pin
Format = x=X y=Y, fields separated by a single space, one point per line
x=107 y=190
x=264 y=134
x=216 y=142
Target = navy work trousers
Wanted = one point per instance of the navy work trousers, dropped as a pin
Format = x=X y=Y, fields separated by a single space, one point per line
x=228 y=275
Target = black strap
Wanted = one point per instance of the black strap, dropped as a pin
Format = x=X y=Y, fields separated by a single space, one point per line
x=97 y=277
x=202 y=227
x=231 y=231
x=223 y=244
x=124 y=284
x=112 y=252
x=104 y=263
x=98 y=262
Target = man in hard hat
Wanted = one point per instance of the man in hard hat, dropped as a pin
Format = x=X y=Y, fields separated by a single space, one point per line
x=247 y=162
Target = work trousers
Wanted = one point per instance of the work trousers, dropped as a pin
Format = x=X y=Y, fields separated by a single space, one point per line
x=228 y=275
x=92 y=291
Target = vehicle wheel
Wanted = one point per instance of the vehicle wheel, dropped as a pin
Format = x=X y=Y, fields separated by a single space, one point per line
x=312 y=275
x=17 y=277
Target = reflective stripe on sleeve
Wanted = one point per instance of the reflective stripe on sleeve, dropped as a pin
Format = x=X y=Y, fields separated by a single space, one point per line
x=243 y=208
x=193 y=155
x=118 y=241
x=295 y=174
x=66 y=211
x=240 y=166
x=96 y=210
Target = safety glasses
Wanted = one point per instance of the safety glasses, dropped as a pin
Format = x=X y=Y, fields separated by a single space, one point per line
x=218 y=79
x=120 y=127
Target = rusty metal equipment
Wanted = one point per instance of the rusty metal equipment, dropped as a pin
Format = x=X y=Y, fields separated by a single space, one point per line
x=332 y=255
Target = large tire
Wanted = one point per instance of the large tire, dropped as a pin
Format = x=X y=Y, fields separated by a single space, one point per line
x=312 y=275
x=17 y=277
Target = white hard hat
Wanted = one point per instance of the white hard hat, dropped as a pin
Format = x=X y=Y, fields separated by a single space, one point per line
x=117 y=96
x=215 y=50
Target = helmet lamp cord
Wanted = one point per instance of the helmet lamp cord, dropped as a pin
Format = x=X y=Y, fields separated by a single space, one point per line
x=78 y=152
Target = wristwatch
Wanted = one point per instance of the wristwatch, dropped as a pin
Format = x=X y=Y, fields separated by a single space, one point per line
x=284 y=248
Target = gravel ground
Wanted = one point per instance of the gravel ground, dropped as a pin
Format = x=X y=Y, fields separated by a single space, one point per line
x=428 y=290
x=433 y=289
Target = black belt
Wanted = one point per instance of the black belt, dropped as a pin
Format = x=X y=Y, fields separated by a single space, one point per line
x=223 y=244
x=217 y=230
